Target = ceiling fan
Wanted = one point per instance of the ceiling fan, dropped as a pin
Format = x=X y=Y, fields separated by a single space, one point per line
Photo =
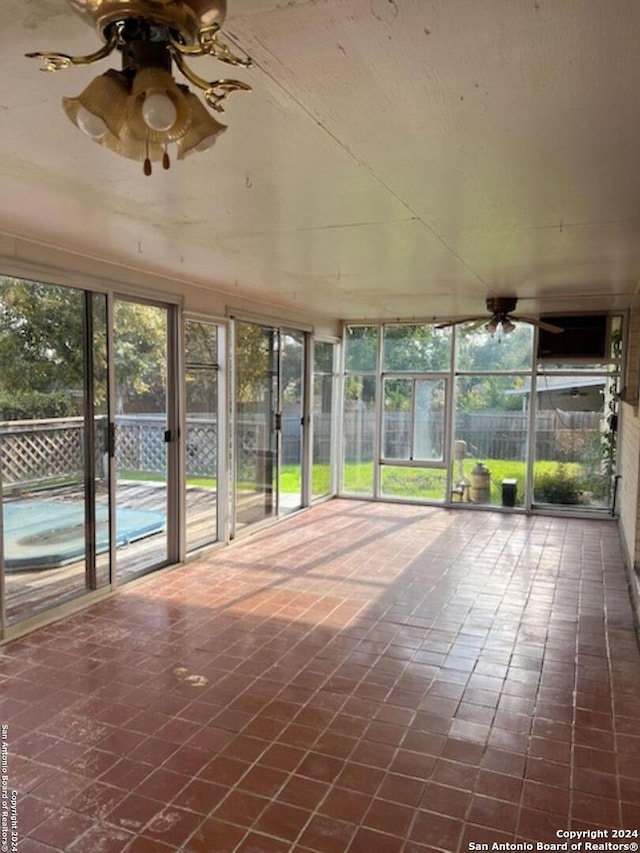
x=501 y=318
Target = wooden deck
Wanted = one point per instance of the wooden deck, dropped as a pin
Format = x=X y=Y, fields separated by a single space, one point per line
x=30 y=592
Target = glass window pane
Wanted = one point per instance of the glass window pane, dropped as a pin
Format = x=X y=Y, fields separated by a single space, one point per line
x=490 y=440
x=142 y=488
x=323 y=352
x=477 y=350
x=201 y=397
x=428 y=426
x=397 y=417
x=321 y=475
x=256 y=441
x=413 y=419
x=101 y=427
x=424 y=484
x=201 y=343
x=361 y=344
x=575 y=441
x=359 y=434
x=292 y=349
x=43 y=445
x=418 y=348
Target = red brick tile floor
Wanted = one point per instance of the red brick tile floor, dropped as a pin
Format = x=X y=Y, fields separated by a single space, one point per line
x=363 y=677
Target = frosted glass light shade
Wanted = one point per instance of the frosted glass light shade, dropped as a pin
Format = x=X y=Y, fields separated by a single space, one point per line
x=203 y=130
x=138 y=118
x=104 y=99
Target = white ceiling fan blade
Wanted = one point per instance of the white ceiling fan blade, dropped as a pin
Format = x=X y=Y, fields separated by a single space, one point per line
x=478 y=323
x=548 y=327
x=450 y=323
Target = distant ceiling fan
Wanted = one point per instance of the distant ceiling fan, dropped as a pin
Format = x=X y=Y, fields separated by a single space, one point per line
x=502 y=318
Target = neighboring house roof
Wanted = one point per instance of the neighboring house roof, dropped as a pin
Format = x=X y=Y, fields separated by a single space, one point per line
x=559 y=383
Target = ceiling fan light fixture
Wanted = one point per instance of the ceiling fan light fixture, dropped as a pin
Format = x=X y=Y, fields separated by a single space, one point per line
x=157 y=109
x=103 y=101
x=501 y=318
x=203 y=131
x=139 y=111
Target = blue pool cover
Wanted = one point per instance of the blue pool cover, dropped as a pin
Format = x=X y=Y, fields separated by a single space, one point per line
x=47 y=534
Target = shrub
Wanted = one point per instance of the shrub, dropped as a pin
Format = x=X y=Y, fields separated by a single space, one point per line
x=31 y=405
x=558 y=487
x=570 y=444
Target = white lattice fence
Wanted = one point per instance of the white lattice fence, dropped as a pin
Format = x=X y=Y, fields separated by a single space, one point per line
x=202 y=441
x=251 y=454
x=41 y=451
x=140 y=445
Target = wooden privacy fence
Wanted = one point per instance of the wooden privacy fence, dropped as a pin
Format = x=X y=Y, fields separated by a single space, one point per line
x=44 y=451
x=559 y=436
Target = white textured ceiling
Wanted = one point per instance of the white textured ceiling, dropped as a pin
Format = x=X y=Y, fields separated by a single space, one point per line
x=396 y=158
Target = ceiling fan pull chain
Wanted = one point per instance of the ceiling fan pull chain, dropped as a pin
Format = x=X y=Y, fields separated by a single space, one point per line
x=147 y=162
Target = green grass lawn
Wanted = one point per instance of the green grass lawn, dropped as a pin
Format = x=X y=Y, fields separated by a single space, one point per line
x=430 y=484
x=413 y=483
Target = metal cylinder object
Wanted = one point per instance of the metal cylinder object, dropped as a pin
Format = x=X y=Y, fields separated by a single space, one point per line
x=459 y=449
x=480 y=484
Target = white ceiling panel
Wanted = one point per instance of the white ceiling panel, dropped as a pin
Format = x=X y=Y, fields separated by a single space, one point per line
x=396 y=158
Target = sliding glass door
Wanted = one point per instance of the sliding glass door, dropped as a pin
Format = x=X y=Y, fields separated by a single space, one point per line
x=144 y=434
x=257 y=421
x=269 y=422
x=323 y=414
x=292 y=367
x=203 y=348
x=53 y=434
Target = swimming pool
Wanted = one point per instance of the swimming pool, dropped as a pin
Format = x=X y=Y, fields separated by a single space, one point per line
x=49 y=534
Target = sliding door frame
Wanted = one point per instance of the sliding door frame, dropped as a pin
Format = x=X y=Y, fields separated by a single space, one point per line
x=223 y=451
x=278 y=327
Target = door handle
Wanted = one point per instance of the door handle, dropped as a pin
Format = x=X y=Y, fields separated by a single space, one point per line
x=111 y=440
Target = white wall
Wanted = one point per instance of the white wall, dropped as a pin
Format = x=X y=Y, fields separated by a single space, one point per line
x=629 y=437
x=41 y=262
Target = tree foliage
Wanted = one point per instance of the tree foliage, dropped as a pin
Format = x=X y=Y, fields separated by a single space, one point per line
x=140 y=355
x=42 y=330
x=26 y=405
x=422 y=348
x=254 y=362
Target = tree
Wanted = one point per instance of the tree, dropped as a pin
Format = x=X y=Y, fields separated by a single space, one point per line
x=140 y=355
x=254 y=362
x=42 y=345
x=481 y=353
x=41 y=334
x=416 y=347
